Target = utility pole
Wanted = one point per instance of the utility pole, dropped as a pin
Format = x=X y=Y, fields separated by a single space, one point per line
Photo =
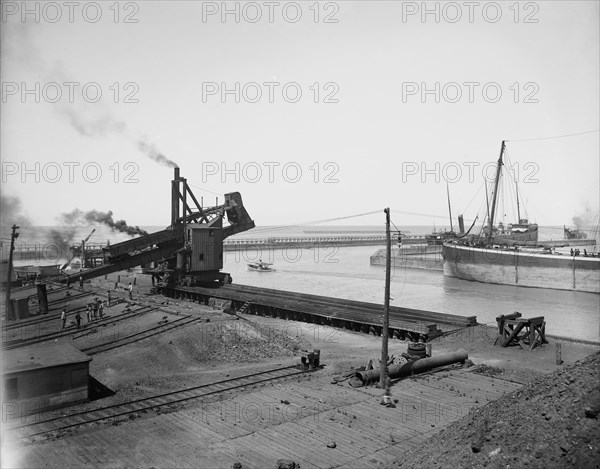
x=13 y=236
x=386 y=304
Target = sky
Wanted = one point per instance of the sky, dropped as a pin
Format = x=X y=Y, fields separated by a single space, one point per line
x=311 y=110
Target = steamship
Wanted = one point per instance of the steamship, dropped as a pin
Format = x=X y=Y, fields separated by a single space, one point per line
x=574 y=234
x=515 y=257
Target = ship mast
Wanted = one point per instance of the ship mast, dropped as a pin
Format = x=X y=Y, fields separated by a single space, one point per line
x=495 y=194
x=518 y=208
x=449 y=209
x=487 y=201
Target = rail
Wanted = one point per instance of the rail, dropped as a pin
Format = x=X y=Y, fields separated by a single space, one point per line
x=38 y=427
x=146 y=333
x=36 y=335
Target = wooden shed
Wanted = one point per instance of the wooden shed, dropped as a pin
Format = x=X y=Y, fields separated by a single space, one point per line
x=43 y=377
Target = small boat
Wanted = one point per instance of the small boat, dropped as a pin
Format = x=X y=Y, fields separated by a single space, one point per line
x=260 y=266
x=437 y=238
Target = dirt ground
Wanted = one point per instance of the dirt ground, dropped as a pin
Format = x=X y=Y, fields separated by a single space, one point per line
x=219 y=347
x=550 y=422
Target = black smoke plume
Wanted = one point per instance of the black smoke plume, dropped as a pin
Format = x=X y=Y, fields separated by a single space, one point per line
x=585 y=219
x=92 y=123
x=78 y=216
x=87 y=119
x=63 y=239
x=151 y=152
x=11 y=212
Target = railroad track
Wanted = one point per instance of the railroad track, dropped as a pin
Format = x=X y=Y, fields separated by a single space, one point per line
x=16 y=343
x=184 y=321
x=41 y=427
x=40 y=319
x=53 y=291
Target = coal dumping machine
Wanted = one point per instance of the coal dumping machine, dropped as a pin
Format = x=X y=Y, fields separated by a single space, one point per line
x=189 y=251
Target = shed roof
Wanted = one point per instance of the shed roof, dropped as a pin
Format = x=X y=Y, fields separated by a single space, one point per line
x=41 y=356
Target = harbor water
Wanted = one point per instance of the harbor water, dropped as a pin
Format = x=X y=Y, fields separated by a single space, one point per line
x=345 y=272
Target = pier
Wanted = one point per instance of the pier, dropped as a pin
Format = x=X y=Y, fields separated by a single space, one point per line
x=94 y=253
x=308 y=242
x=405 y=323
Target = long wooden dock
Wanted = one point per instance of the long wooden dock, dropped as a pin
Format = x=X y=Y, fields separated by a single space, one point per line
x=312 y=422
x=405 y=323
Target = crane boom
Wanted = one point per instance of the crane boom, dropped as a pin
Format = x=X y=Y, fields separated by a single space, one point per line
x=191 y=247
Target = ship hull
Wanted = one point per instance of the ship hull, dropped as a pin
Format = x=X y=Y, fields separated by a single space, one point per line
x=411 y=257
x=522 y=268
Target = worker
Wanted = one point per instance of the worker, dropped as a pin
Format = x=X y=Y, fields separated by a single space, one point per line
x=101 y=309
x=130 y=288
x=89 y=312
x=95 y=308
x=78 y=319
x=63 y=318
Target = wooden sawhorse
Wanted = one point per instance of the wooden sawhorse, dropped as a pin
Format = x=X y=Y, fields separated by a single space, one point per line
x=513 y=330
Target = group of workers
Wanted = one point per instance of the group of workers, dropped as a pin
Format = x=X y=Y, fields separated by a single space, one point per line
x=94 y=310
x=577 y=252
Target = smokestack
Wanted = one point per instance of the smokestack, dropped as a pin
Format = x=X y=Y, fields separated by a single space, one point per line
x=461 y=225
x=175 y=196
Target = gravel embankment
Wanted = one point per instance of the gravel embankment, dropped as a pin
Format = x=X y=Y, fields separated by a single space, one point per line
x=551 y=422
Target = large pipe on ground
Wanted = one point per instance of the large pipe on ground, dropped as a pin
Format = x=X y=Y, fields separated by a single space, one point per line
x=421 y=365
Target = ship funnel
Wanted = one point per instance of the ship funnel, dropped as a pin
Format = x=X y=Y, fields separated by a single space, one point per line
x=461 y=225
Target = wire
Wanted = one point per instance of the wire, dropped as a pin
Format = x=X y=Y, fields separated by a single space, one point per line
x=475 y=196
x=203 y=189
x=556 y=136
x=283 y=227
x=445 y=217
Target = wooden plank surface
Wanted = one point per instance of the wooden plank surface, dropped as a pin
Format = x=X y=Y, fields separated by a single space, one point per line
x=215 y=435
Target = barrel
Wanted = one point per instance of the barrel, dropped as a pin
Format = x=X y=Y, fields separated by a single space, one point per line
x=417 y=350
